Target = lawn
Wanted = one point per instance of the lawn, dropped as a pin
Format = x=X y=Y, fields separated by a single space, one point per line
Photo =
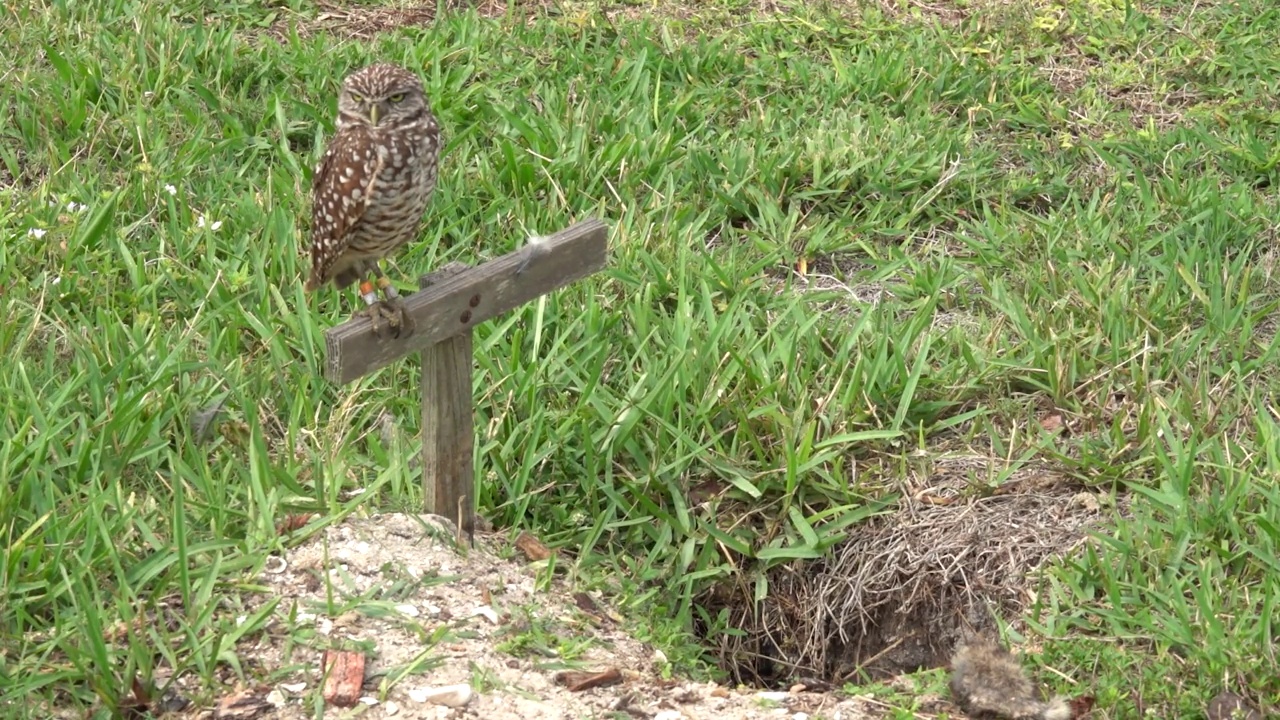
x=845 y=241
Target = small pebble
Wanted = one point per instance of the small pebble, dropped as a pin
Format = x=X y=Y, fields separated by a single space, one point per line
x=447 y=695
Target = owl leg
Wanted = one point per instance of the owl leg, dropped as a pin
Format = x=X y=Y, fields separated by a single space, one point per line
x=371 y=303
x=394 y=302
x=396 y=305
x=392 y=309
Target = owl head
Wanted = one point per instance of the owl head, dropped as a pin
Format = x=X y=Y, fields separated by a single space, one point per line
x=381 y=95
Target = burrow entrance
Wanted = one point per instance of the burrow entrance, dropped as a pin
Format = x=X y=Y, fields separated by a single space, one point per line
x=898 y=594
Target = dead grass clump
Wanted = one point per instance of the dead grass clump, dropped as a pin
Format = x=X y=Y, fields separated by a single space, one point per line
x=364 y=22
x=895 y=597
x=357 y=22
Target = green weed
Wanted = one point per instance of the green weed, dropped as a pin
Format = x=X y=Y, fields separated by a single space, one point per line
x=980 y=234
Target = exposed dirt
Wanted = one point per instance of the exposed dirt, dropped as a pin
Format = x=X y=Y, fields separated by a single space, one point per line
x=828 y=274
x=352 y=21
x=425 y=615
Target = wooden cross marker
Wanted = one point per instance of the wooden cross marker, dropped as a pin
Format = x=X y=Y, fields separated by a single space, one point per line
x=451 y=302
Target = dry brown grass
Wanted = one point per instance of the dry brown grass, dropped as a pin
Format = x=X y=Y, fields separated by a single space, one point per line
x=363 y=22
x=897 y=595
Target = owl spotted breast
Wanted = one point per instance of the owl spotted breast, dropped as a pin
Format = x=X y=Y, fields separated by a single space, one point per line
x=372 y=186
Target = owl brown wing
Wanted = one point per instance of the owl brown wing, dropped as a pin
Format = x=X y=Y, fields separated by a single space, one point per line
x=340 y=192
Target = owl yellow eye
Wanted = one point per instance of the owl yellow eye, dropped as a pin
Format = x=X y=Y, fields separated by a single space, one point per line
x=357 y=97
x=398 y=97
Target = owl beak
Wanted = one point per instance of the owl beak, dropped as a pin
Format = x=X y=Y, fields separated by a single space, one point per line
x=373 y=115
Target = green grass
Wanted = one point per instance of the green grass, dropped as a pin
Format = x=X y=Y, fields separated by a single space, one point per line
x=1066 y=203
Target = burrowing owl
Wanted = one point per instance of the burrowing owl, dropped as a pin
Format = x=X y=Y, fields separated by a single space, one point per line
x=372 y=186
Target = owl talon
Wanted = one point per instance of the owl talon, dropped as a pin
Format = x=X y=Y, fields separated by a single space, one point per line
x=372 y=313
x=406 y=323
x=397 y=316
x=391 y=315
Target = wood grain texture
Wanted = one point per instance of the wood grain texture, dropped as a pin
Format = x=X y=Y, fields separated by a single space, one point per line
x=459 y=302
x=448 y=435
x=448 y=438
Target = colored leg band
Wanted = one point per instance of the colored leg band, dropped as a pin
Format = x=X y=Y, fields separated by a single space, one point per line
x=387 y=287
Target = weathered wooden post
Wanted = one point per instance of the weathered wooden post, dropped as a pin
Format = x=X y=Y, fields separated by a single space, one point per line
x=449 y=303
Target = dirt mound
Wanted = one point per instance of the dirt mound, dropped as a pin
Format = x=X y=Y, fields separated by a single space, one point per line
x=423 y=615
